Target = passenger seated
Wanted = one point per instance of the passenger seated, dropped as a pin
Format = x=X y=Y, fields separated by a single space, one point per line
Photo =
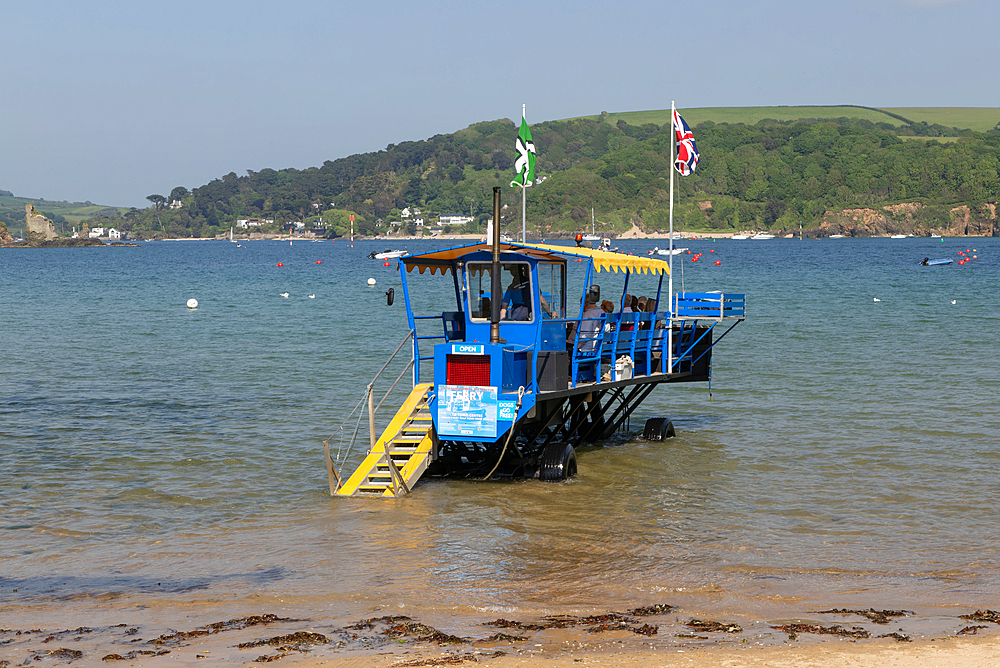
x=608 y=307
x=627 y=324
x=591 y=325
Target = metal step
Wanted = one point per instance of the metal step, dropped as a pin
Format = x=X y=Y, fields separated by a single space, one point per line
x=408 y=442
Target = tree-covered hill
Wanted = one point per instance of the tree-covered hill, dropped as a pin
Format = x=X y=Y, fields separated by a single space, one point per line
x=769 y=174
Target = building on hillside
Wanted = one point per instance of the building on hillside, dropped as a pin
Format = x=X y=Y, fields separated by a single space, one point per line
x=114 y=234
x=176 y=204
x=96 y=232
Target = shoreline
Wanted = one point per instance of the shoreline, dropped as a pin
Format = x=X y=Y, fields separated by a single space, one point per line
x=269 y=627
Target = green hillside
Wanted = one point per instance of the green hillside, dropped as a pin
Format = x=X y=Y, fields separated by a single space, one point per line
x=761 y=167
x=765 y=168
x=63 y=214
x=977 y=119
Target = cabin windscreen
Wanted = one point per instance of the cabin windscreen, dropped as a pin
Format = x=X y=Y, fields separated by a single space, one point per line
x=552 y=286
x=431 y=294
x=517 y=302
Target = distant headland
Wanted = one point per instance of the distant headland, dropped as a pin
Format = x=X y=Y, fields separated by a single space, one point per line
x=41 y=233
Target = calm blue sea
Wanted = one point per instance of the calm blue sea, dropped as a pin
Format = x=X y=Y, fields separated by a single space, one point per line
x=156 y=457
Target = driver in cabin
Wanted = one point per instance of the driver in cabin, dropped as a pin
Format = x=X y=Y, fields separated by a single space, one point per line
x=516 y=303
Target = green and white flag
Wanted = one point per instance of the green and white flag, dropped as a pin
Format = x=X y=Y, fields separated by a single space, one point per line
x=525 y=164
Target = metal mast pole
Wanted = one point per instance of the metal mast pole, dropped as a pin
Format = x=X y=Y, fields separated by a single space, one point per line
x=495 y=286
x=670 y=281
x=524 y=196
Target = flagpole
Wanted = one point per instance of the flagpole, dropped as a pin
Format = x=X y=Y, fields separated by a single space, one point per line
x=670 y=280
x=524 y=196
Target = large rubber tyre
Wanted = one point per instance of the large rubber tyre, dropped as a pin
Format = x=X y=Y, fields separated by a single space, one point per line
x=558 y=462
x=658 y=429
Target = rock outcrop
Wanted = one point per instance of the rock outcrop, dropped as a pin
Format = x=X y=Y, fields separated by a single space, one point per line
x=37 y=227
x=904 y=219
x=41 y=233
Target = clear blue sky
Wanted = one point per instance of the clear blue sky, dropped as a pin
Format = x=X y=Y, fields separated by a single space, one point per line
x=113 y=101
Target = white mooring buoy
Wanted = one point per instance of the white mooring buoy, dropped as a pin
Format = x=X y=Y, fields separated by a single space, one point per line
x=192 y=303
x=371 y=281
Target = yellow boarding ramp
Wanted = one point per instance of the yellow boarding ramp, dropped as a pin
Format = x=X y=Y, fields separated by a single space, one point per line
x=401 y=454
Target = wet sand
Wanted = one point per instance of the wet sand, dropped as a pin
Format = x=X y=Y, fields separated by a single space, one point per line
x=949 y=653
x=205 y=634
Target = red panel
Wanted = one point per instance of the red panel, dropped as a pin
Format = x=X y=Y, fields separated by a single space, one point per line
x=469 y=370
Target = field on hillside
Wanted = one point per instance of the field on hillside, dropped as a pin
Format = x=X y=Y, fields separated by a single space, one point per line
x=73 y=212
x=979 y=119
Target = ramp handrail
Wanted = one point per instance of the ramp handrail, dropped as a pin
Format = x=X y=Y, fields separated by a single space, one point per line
x=342 y=456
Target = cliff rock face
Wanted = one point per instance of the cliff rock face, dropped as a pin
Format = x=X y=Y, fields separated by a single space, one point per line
x=5 y=237
x=38 y=228
x=983 y=224
x=901 y=219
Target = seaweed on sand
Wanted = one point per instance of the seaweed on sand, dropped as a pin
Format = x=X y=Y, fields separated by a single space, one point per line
x=422 y=633
x=876 y=616
x=794 y=629
x=612 y=621
x=713 y=627
x=218 y=627
x=982 y=616
x=971 y=630
x=292 y=641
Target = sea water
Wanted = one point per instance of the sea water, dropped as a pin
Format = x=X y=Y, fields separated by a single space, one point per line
x=160 y=458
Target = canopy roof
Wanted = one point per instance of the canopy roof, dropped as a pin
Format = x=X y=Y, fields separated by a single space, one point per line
x=442 y=260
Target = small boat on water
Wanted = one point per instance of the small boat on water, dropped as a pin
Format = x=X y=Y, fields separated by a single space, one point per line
x=762 y=235
x=927 y=262
x=666 y=251
x=836 y=236
x=386 y=254
x=740 y=237
x=898 y=236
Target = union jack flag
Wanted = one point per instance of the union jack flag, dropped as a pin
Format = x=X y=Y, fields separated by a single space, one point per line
x=687 y=152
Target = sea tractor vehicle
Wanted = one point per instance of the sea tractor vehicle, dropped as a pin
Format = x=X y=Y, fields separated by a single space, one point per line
x=515 y=377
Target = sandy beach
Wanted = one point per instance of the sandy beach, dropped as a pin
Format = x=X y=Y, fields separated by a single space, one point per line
x=642 y=637
x=946 y=653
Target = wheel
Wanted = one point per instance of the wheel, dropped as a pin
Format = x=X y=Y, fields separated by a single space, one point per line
x=558 y=462
x=658 y=429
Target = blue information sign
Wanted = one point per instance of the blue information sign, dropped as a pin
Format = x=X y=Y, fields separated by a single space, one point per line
x=467 y=411
x=506 y=410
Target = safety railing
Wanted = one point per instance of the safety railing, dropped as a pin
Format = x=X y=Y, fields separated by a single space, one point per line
x=369 y=396
x=705 y=305
x=417 y=357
